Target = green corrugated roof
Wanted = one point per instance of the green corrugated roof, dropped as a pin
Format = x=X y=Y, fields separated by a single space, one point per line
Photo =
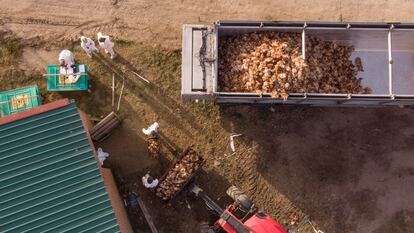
x=49 y=179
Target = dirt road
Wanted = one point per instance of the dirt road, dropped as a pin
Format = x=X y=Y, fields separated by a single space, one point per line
x=159 y=21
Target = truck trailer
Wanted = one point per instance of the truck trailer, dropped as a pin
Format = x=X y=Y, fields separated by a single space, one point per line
x=386 y=50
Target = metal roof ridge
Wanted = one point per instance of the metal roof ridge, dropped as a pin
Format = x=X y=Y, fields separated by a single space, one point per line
x=34 y=111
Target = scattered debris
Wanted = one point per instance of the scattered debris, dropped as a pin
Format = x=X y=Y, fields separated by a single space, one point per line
x=232 y=141
x=216 y=163
x=313 y=227
x=120 y=94
x=113 y=89
x=188 y=204
x=132 y=200
x=229 y=155
x=139 y=76
x=154 y=146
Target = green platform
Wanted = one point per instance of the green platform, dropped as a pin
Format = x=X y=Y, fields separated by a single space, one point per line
x=20 y=99
x=53 y=83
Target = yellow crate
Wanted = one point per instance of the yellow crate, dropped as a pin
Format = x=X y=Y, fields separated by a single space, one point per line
x=63 y=79
x=19 y=101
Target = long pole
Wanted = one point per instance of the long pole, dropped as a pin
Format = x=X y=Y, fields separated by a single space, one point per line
x=303 y=43
x=120 y=94
x=390 y=61
x=147 y=215
x=46 y=75
x=139 y=76
x=113 y=89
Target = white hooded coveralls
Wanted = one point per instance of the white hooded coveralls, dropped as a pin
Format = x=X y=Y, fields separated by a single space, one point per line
x=151 y=185
x=152 y=129
x=88 y=45
x=66 y=67
x=67 y=57
x=106 y=43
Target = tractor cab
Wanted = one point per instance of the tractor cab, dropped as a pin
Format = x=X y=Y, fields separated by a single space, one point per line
x=262 y=223
x=240 y=217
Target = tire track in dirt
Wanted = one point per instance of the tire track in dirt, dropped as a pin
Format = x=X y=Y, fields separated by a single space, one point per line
x=65 y=30
x=262 y=192
x=90 y=28
x=60 y=21
x=29 y=20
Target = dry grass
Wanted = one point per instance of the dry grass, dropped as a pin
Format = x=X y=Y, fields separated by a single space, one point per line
x=10 y=49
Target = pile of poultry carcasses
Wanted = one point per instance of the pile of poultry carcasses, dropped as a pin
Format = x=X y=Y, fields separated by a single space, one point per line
x=154 y=146
x=178 y=175
x=270 y=62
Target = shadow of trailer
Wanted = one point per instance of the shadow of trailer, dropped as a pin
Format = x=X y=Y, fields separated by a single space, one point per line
x=387 y=51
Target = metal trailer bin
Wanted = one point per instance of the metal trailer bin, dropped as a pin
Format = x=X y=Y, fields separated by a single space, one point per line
x=386 y=49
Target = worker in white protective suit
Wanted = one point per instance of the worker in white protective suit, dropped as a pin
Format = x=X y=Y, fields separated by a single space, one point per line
x=88 y=45
x=66 y=59
x=152 y=129
x=102 y=156
x=66 y=62
x=106 y=43
x=149 y=182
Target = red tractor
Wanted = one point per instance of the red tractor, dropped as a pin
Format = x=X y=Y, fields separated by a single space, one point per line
x=252 y=220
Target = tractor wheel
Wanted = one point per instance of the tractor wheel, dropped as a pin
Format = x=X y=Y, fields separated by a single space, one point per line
x=240 y=198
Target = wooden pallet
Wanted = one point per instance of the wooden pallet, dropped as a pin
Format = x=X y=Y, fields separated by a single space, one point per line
x=103 y=129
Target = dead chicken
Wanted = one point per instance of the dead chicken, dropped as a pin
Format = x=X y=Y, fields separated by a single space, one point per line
x=358 y=64
x=154 y=146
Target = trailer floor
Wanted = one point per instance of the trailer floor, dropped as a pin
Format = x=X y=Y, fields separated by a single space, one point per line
x=350 y=170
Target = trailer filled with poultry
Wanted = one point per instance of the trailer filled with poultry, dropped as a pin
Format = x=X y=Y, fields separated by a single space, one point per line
x=311 y=63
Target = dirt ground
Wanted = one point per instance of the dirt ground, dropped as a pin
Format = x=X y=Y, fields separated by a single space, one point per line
x=159 y=22
x=349 y=170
